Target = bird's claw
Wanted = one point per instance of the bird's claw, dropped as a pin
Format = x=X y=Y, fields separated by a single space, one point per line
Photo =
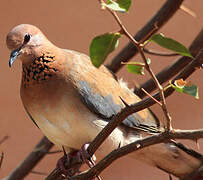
x=70 y=163
x=67 y=166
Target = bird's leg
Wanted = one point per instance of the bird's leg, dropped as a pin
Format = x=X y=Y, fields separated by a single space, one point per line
x=86 y=158
x=70 y=163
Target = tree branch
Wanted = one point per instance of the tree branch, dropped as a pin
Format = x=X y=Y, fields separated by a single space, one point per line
x=145 y=103
x=31 y=160
x=147 y=67
x=137 y=145
x=3 y=139
x=159 y=19
x=2 y=153
x=1 y=159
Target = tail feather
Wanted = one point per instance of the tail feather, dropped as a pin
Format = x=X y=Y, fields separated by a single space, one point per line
x=173 y=158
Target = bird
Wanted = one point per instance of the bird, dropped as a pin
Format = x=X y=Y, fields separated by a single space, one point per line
x=71 y=101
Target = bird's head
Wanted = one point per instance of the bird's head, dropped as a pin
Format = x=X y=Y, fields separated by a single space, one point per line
x=24 y=41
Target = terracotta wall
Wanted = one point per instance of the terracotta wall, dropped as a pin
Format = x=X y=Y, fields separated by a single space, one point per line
x=72 y=24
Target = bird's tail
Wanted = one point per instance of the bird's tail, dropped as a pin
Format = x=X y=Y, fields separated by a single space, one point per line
x=173 y=158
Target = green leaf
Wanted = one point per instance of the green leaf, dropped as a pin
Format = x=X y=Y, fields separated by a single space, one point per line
x=186 y=88
x=101 y=46
x=191 y=90
x=170 y=44
x=119 y=5
x=135 y=68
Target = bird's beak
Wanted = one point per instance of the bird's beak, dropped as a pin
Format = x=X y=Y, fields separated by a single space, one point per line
x=14 y=55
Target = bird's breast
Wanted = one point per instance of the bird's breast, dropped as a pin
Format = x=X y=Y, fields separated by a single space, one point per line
x=57 y=110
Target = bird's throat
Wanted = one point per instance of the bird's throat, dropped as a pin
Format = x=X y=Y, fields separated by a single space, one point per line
x=40 y=70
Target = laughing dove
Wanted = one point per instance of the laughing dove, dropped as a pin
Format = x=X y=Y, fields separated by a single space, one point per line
x=71 y=101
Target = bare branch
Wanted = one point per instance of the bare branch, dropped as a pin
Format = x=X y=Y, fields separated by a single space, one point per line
x=1 y=159
x=39 y=173
x=54 y=152
x=145 y=103
x=137 y=145
x=186 y=134
x=56 y=174
x=32 y=159
x=151 y=97
x=4 y=139
x=188 y=11
x=147 y=67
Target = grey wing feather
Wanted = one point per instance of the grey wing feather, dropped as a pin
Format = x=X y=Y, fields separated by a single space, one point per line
x=105 y=108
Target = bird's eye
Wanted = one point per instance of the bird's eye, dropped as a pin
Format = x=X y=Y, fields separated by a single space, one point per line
x=26 y=38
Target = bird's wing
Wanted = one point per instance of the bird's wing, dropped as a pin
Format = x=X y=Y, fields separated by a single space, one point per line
x=104 y=95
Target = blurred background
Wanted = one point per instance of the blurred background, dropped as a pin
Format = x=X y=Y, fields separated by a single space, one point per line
x=72 y=25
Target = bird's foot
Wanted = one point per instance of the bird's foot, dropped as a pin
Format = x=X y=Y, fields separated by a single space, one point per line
x=70 y=163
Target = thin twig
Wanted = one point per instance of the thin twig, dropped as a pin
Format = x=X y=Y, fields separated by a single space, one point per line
x=188 y=11
x=39 y=173
x=151 y=97
x=54 y=152
x=1 y=159
x=169 y=72
x=134 y=63
x=148 y=68
x=168 y=9
x=160 y=88
x=2 y=154
x=3 y=139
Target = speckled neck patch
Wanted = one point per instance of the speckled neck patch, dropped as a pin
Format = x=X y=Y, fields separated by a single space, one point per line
x=39 y=70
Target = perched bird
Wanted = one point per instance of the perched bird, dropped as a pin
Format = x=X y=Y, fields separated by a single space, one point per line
x=70 y=101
